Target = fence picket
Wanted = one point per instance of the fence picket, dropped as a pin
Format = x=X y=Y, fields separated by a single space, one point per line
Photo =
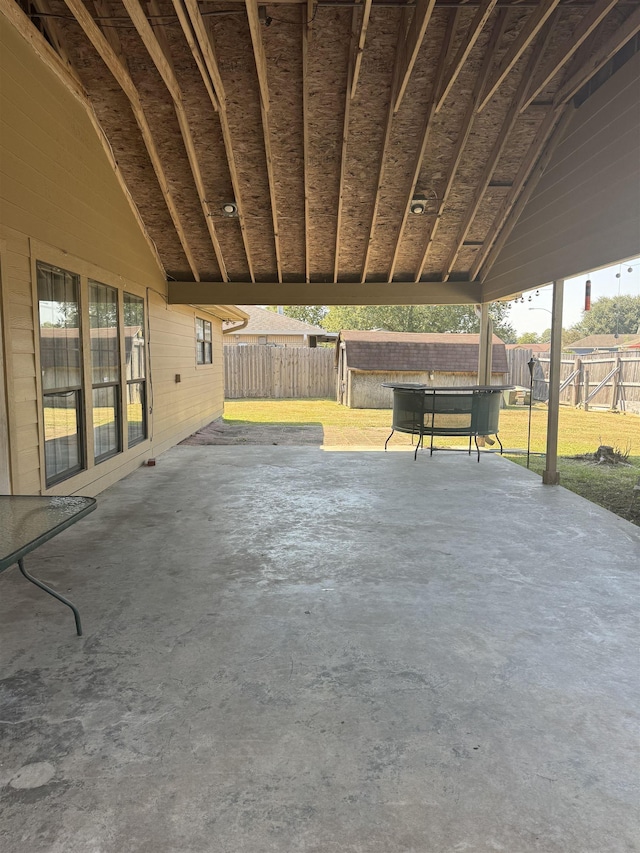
x=278 y=372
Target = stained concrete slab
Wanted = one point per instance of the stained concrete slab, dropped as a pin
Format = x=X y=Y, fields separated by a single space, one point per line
x=299 y=651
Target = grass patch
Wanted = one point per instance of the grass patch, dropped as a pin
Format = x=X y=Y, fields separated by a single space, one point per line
x=579 y=433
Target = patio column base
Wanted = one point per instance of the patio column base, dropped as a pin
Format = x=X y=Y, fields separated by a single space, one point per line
x=551 y=478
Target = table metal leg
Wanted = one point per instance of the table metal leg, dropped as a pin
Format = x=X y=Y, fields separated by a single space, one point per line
x=387 y=441
x=54 y=594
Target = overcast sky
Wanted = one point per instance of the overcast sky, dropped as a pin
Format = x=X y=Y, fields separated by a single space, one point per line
x=603 y=283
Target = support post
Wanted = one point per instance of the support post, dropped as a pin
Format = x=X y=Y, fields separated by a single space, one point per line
x=550 y=476
x=485 y=351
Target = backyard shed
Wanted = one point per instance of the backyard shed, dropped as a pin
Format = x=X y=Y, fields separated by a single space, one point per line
x=367 y=359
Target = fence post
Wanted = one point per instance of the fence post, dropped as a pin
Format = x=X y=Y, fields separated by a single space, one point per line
x=615 y=385
x=577 y=366
x=586 y=390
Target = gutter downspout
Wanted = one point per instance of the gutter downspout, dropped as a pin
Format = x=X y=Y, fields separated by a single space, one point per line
x=237 y=328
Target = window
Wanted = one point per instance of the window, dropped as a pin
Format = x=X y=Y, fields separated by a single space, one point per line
x=135 y=368
x=204 y=351
x=61 y=366
x=105 y=369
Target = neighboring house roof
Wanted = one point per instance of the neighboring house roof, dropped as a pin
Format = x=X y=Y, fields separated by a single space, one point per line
x=410 y=351
x=604 y=341
x=264 y=322
x=532 y=347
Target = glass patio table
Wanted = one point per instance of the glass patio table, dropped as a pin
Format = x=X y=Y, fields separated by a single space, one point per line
x=27 y=521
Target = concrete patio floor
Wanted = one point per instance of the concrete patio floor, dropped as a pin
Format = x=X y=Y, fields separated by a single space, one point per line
x=300 y=651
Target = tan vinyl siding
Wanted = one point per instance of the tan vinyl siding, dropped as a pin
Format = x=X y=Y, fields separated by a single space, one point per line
x=585 y=211
x=62 y=204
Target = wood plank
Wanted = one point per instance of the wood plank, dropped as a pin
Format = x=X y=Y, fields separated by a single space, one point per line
x=322 y=293
x=113 y=63
x=362 y=37
x=258 y=51
x=526 y=37
x=426 y=130
x=496 y=152
x=157 y=45
x=306 y=36
x=410 y=46
x=192 y=23
x=463 y=136
x=582 y=32
x=622 y=35
x=345 y=140
x=477 y=25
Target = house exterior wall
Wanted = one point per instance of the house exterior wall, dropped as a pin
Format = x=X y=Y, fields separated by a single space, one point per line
x=274 y=340
x=63 y=205
x=365 y=391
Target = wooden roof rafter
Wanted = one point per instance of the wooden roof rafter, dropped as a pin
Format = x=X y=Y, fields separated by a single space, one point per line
x=409 y=47
x=306 y=36
x=463 y=135
x=345 y=138
x=157 y=46
x=426 y=129
x=585 y=28
x=492 y=160
x=364 y=23
x=624 y=33
x=122 y=77
x=197 y=37
x=477 y=26
x=53 y=30
x=534 y=23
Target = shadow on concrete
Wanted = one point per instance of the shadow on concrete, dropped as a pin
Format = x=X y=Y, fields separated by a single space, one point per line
x=221 y=432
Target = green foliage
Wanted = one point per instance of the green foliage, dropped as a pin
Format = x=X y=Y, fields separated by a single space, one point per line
x=313 y=314
x=609 y=315
x=528 y=338
x=418 y=318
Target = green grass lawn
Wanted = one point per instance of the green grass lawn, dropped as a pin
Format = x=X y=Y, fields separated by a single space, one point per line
x=580 y=433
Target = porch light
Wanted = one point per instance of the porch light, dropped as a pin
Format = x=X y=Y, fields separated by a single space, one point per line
x=230 y=208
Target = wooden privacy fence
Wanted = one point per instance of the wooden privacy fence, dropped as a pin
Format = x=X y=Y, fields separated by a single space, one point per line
x=279 y=372
x=598 y=380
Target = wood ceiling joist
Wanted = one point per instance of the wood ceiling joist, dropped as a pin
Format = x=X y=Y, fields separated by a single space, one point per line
x=121 y=75
x=625 y=32
x=409 y=46
x=430 y=113
x=261 y=69
x=70 y=80
x=156 y=44
x=306 y=36
x=492 y=160
x=477 y=26
x=587 y=25
x=539 y=153
x=197 y=37
x=526 y=37
x=385 y=144
x=345 y=140
x=53 y=30
x=463 y=135
x=364 y=23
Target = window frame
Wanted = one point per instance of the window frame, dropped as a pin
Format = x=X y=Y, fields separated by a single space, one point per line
x=204 y=344
x=115 y=384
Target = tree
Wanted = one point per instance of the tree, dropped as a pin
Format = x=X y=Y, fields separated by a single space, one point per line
x=611 y=315
x=418 y=318
x=313 y=314
x=528 y=338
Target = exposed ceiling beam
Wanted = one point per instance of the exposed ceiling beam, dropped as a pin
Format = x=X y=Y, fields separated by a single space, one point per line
x=53 y=30
x=113 y=63
x=364 y=23
x=302 y=293
x=496 y=152
x=261 y=69
x=24 y=26
x=194 y=46
x=544 y=144
x=306 y=153
x=385 y=145
x=463 y=135
x=409 y=47
x=587 y=25
x=426 y=129
x=157 y=45
x=621 y=36
x=195 y=32
x=477 y=25
x=526 y=37
x=345 y=141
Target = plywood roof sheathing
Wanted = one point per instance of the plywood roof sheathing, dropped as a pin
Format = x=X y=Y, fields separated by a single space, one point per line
x=498 y=147
x=409 y=47
x=306 y=35
x=477 y=25
x=345 y=140
x=364 y=23
x=582 y=32
x=526 y=37
x=114 y=64
x=621 y=36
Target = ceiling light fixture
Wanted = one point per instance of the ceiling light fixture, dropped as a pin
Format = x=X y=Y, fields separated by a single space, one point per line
x=230 y=208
